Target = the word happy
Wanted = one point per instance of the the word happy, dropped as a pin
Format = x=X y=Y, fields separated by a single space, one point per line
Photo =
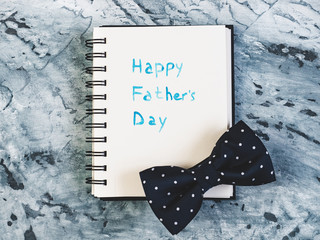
x=157 y=68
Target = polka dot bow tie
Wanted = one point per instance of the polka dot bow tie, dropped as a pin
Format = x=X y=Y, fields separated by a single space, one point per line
x=175 y=194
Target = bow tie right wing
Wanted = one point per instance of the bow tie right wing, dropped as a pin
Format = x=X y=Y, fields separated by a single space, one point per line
x=241 y=158
x=173 y=194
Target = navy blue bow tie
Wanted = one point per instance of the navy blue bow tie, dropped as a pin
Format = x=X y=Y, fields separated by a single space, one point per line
x=175 y=194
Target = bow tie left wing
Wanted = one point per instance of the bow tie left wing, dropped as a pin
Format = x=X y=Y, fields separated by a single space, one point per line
x=173 y=194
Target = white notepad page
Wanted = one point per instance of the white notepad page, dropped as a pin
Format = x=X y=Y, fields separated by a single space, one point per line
x=178 y=80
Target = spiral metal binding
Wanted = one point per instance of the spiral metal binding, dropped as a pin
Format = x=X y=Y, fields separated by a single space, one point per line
x=92 y=111
x=91 y=42
x=96 y=167
x=96 y=139
x=96 y=97
x=90 y=70
x=89 y=180
x=90 y=84
x=91 y=56
x=96 y=125
x=96 y=153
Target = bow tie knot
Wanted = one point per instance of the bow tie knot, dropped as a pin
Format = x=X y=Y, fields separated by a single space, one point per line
x=206 y=175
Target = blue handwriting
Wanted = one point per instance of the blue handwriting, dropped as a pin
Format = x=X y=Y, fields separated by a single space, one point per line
x=157 y=68
x=138 y=119
x=165 y=94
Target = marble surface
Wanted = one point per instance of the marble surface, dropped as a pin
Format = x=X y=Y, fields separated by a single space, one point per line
x=42 y=116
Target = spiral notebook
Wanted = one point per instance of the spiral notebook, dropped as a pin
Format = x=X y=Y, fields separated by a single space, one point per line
x=161 y=95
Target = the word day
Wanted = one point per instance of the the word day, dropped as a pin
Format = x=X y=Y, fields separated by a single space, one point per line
x=139 y=119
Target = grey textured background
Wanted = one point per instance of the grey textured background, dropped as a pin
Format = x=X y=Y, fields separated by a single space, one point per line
x=42 y=116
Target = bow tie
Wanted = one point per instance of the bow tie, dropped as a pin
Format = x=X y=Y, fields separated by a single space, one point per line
x=176 y=194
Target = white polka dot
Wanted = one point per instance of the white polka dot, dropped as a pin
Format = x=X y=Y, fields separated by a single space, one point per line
x=191 y=210
x=150 y=201
x=169 y=193
x=207 y=177
x=195 y=179
x=164 y=206
x=222 y=173
x=214 y=156
x=192 y=172
x=267 y=152
x=163 y=175
x=178 y=209
x=144 y=181
x=226 y=141
x=209 y=162
x=182 y=170
x=155 y=188
x=175 y=182
x=242 y=173
x=227 y=130
x=250 y=161
x=202 y=189
x=225 y=155
x=175 y=223
x=199 y=165
x=192 y=195
x=253 y=179
x=271 y=172
x=237 y=157
x=152 y=169
x=160 y=219
x=240 y=144
x=218 y=179
x=253 y=147
x=242 y=130
x=233 y=183
x=261 y=166
x=171 y=166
